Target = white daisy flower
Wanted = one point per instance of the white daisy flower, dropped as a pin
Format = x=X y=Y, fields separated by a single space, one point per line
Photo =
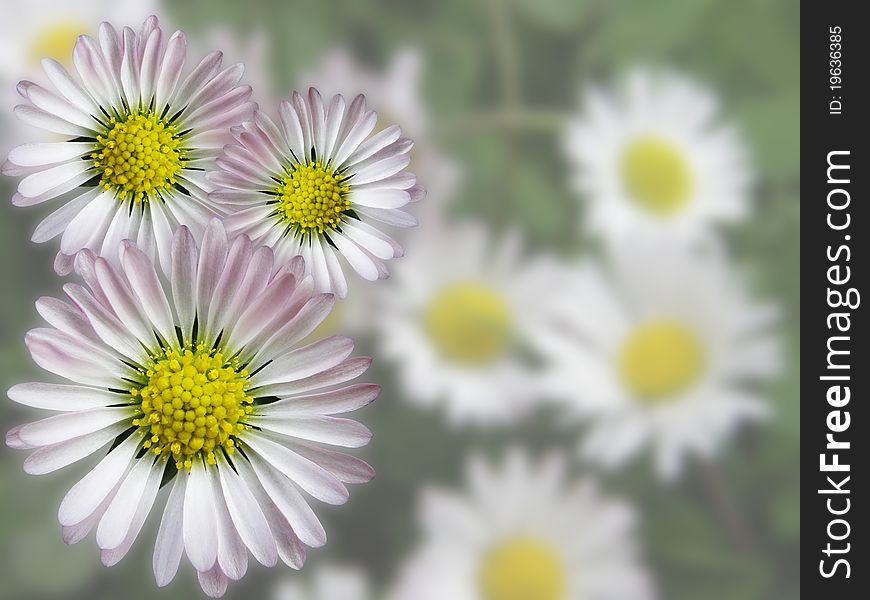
x=656 y=156
x=199 y=382
x=457 y=317
x=657 y=351
x=311 y=186
x=37 y=29
x=520 y=531
x=328 y=583
x=138 y=137
x=396 y=91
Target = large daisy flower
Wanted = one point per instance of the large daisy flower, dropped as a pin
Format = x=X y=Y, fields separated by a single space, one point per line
x=137 y=137
x=658 y=349
x=327 y=583
x=521 y=531
x=312 y=184
x=198 y=382
x=457 y=318
x=656 y=156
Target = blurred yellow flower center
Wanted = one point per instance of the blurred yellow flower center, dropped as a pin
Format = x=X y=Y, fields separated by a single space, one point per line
x=657 y=175
x=313 y=197
x=469 y=323
x=661 y=358
x=523 y=569
x=56 y=41
x=192 y=403
x=138 y=156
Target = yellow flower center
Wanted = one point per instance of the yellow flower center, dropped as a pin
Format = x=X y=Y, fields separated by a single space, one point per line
x=656 y=175
x=193 y=402
x=523 y=569
x=469 y=323
x=56 y=41
x=139 y=156
x=661 y=358
x=313 y=197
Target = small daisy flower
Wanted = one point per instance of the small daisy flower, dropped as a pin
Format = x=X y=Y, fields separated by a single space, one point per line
x=200 y=382
x=658 y=350
x=521 y=531
x=137 y=137
x=655 y=156
x=313 y=185
x=327 y=583
x=457 y=317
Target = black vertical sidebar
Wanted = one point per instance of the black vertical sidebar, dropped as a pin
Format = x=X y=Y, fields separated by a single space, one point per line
x=835 y=366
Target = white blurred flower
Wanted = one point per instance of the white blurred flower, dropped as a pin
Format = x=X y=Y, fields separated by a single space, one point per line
x=396 y=93
x=175 y=378
x=140 y=125
x=249 y=48
x=658 y=348
x=37 y=29
x=319 y=184
x=327 y=583
x=456 y=318
x=520 y=531
x=654 y=155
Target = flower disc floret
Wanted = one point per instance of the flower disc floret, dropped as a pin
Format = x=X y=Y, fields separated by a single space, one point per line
x=313 y=197
x=139 y=156
x=192 y=403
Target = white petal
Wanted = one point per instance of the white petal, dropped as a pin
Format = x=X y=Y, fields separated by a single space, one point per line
x=335 y=431
x=348 y=469
x=305 y=361
x=35 y=155
x=53 y=177
x=66 y=426
x=117 y=519
x=169 y=545
x=358 y=259
x=56 y=456
x=39 y=118
x=53 y=396
x=312 y=478
x=232 y=552
x=198 y=530
x=247 y=516
x=333 y=402
x=288 y=500
x=347 y=370
x=184 y=261
x=212 y=258
x=148 y=289
x=152 y=486
x=213 y=582
x=85 y=496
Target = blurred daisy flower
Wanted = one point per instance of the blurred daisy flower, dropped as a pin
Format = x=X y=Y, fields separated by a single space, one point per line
x=138 y=137
x=313 y=185
x=396 y=91
x=327 y=583
x=655 y=156
x=200 y=382
x=457 y=317
x=33 y=30
x=521 y=531
x=252 y=48
x=657 y=349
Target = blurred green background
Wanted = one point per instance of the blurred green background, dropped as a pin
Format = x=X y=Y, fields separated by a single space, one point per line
x=498 y=78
